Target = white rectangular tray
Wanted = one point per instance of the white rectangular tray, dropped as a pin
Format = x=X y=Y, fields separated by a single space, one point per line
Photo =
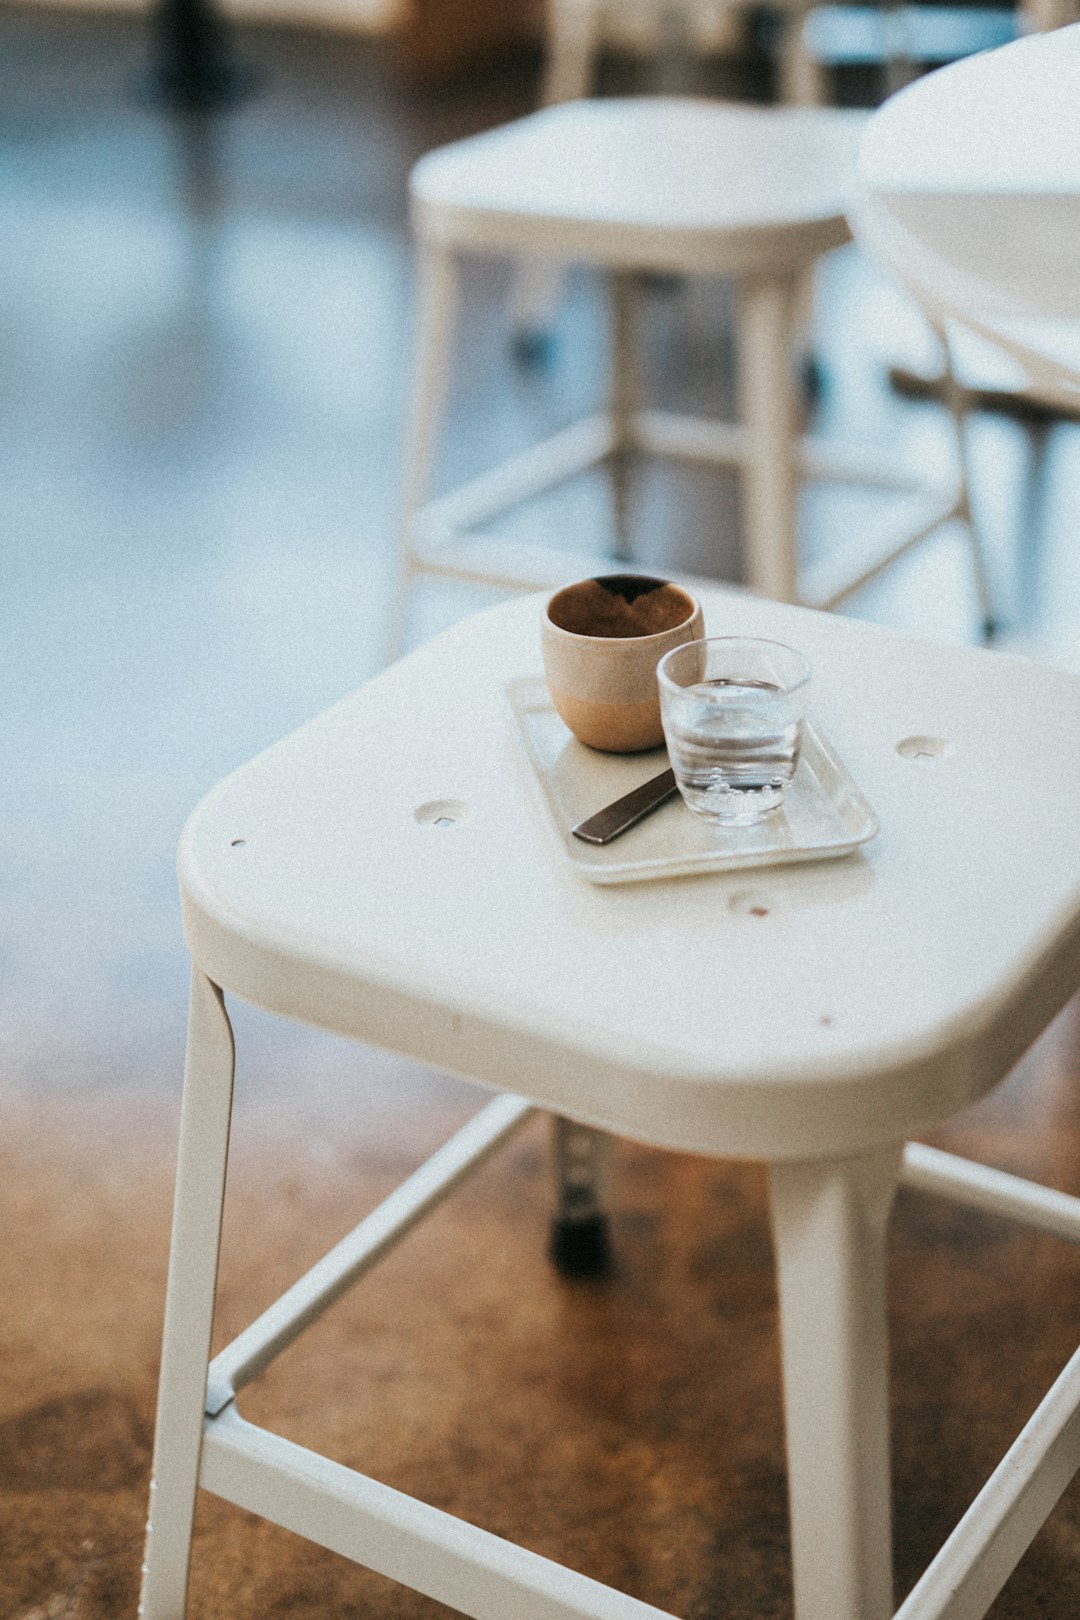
x=823 y=814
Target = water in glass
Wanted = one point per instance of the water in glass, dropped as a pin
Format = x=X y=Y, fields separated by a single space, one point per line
x=734 y=746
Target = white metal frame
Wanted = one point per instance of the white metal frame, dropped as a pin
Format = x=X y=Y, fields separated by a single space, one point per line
x=765 y=445
x=981 y=1553
x=829 y=1220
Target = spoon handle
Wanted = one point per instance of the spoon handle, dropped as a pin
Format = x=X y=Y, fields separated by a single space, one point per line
x=615 y=818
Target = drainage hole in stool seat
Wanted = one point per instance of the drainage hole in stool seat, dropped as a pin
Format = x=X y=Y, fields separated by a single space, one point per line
x=442 y=813
x=925 y=749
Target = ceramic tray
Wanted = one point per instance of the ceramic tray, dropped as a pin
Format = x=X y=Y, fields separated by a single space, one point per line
x=823 y=813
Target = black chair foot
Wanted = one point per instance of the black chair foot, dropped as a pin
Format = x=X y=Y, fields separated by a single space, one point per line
x=581 y=1248
x=533 y=349
x=664 y=284
x=813 y=378
x=194 y=69
x=215 y=88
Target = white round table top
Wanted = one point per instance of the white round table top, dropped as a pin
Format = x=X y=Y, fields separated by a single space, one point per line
x=969 y=191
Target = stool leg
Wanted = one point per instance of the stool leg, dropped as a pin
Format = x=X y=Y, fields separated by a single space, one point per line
x=189 y=1306
x=536 y=292
x=572 y=36
x=804 y=80
x=956 y=398
x=767 y=315
x=580 y=1244
x=626 y=289
x=1039 y=16
x=436 y=304
x=829 y=1225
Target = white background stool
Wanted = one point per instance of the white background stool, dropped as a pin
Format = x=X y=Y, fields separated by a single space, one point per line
x=335 y=880
x=667 y=186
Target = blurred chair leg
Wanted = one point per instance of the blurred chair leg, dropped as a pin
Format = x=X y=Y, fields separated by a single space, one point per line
x=803 y=78
x=803 y=82
x=1040 y=16
x=956 y=399
x=1035 y=509
x=537 y=285
x=625 y=402
x=572 y=38
x=189 y=1307
x=436 y=304
x=580 y=1240
x=768 y=409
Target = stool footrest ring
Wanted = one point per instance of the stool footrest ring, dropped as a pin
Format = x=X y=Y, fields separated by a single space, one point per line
x=430 y=1551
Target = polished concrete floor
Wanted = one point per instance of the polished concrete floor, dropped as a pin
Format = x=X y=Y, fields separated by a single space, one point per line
x=203 y=330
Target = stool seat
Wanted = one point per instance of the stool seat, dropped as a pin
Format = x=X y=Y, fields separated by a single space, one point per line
x=867 y=1003
x=663 y=184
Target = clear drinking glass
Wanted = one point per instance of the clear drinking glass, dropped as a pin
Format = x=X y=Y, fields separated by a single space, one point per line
x=732 y=708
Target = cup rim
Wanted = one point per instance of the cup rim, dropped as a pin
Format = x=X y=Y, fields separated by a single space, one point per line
x=666 y=682
x=621 y=641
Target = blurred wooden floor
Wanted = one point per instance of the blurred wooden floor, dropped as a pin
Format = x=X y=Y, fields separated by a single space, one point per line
x=202 y=340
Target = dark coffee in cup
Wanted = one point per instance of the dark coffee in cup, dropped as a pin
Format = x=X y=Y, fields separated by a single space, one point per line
x=622 y=606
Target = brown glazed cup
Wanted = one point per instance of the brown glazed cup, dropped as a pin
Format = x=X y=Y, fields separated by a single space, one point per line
x=601 y=641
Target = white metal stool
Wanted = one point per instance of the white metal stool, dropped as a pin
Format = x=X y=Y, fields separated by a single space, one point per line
x=652 y=185
x=812 y=1017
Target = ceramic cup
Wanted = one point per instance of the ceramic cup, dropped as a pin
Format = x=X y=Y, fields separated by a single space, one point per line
x=602 y=640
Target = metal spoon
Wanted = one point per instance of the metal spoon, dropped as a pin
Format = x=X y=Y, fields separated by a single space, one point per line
x=615 y=818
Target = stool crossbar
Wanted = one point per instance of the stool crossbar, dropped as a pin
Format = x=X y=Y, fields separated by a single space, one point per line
x=979 y=1556
x=441 y=543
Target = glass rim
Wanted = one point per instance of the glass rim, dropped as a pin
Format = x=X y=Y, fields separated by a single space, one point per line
x=766 y=642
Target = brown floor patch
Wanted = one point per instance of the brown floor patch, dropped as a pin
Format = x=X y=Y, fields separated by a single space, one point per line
x=92 y=1440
